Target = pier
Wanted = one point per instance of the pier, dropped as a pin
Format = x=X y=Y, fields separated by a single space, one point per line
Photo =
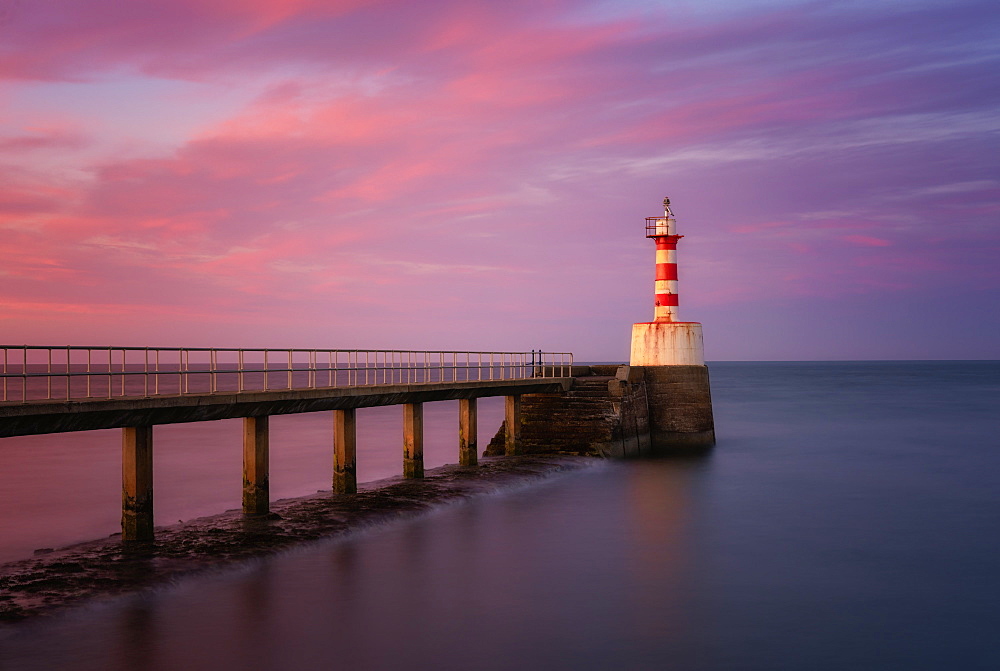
x=659 y=402
x=62 y=389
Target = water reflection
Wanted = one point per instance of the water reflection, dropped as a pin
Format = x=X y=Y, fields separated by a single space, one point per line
x=828 y=531
x=63 y=488
x=663 y=499
x=136 y=642
x=558 y=576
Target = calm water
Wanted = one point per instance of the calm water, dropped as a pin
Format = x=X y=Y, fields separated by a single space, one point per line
x=64 y=488
x=847 y=520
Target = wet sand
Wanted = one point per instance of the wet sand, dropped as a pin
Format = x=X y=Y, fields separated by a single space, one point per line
x=85 y=572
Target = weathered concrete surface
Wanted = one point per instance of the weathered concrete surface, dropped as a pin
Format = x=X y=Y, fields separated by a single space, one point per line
x=600 y=415
x=137 y=483
x=619 y=411
x=345 y=451
x=680 y=408
x=512 y=420
x=106 y=568
x=667 y=344
x=256 y=466
x=413 y=440
x=468 y=432
x=18 y=419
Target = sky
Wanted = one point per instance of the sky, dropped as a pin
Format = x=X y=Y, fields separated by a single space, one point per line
x=452 y=174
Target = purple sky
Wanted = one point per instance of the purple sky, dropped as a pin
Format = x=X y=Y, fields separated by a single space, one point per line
x=474 y=175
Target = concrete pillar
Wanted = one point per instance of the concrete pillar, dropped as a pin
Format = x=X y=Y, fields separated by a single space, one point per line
x=256 y=494
x=512 y=415
x=413 y=440
x=137 y=483
x=345 y=447
x=468 y=433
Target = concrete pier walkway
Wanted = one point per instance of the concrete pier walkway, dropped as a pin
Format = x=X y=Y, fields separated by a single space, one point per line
x=35 y=417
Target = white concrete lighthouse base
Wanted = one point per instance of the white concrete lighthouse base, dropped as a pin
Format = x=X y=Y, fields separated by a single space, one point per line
x=667 y=344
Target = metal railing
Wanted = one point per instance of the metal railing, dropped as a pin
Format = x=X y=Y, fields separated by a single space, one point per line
x=43 y=373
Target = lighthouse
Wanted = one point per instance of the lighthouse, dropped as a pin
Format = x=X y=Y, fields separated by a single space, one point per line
x=666 y=341
x=671 y=354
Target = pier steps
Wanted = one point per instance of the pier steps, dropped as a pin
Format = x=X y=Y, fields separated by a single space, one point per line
x=600 y=415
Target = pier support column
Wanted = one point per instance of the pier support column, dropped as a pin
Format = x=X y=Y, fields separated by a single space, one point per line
x=345 y=447
x=468 y=432
x=512 y=415
x=413 y=440
x=137 y=483
x=256 y=493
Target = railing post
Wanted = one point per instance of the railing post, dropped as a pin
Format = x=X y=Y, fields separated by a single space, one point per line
x=265 y=369
x=413 y=440
x=468 y=432
x=256 y=493
x=345 y=447
x=512 y=415
x=137 y=483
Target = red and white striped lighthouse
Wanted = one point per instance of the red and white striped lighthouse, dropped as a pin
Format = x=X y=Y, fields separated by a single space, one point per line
x=663 y=231
x=666 y=341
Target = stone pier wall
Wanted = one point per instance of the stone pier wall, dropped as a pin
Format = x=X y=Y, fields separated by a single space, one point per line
x=680 y=403
x=617 y=412
x=603 y=414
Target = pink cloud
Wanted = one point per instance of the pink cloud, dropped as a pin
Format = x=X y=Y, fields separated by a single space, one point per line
x=762 y=226
x=42 y=137
x=481 y=165
x=66 y=39
x=866 y=241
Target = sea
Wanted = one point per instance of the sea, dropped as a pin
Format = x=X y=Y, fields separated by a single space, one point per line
x=848 y=519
